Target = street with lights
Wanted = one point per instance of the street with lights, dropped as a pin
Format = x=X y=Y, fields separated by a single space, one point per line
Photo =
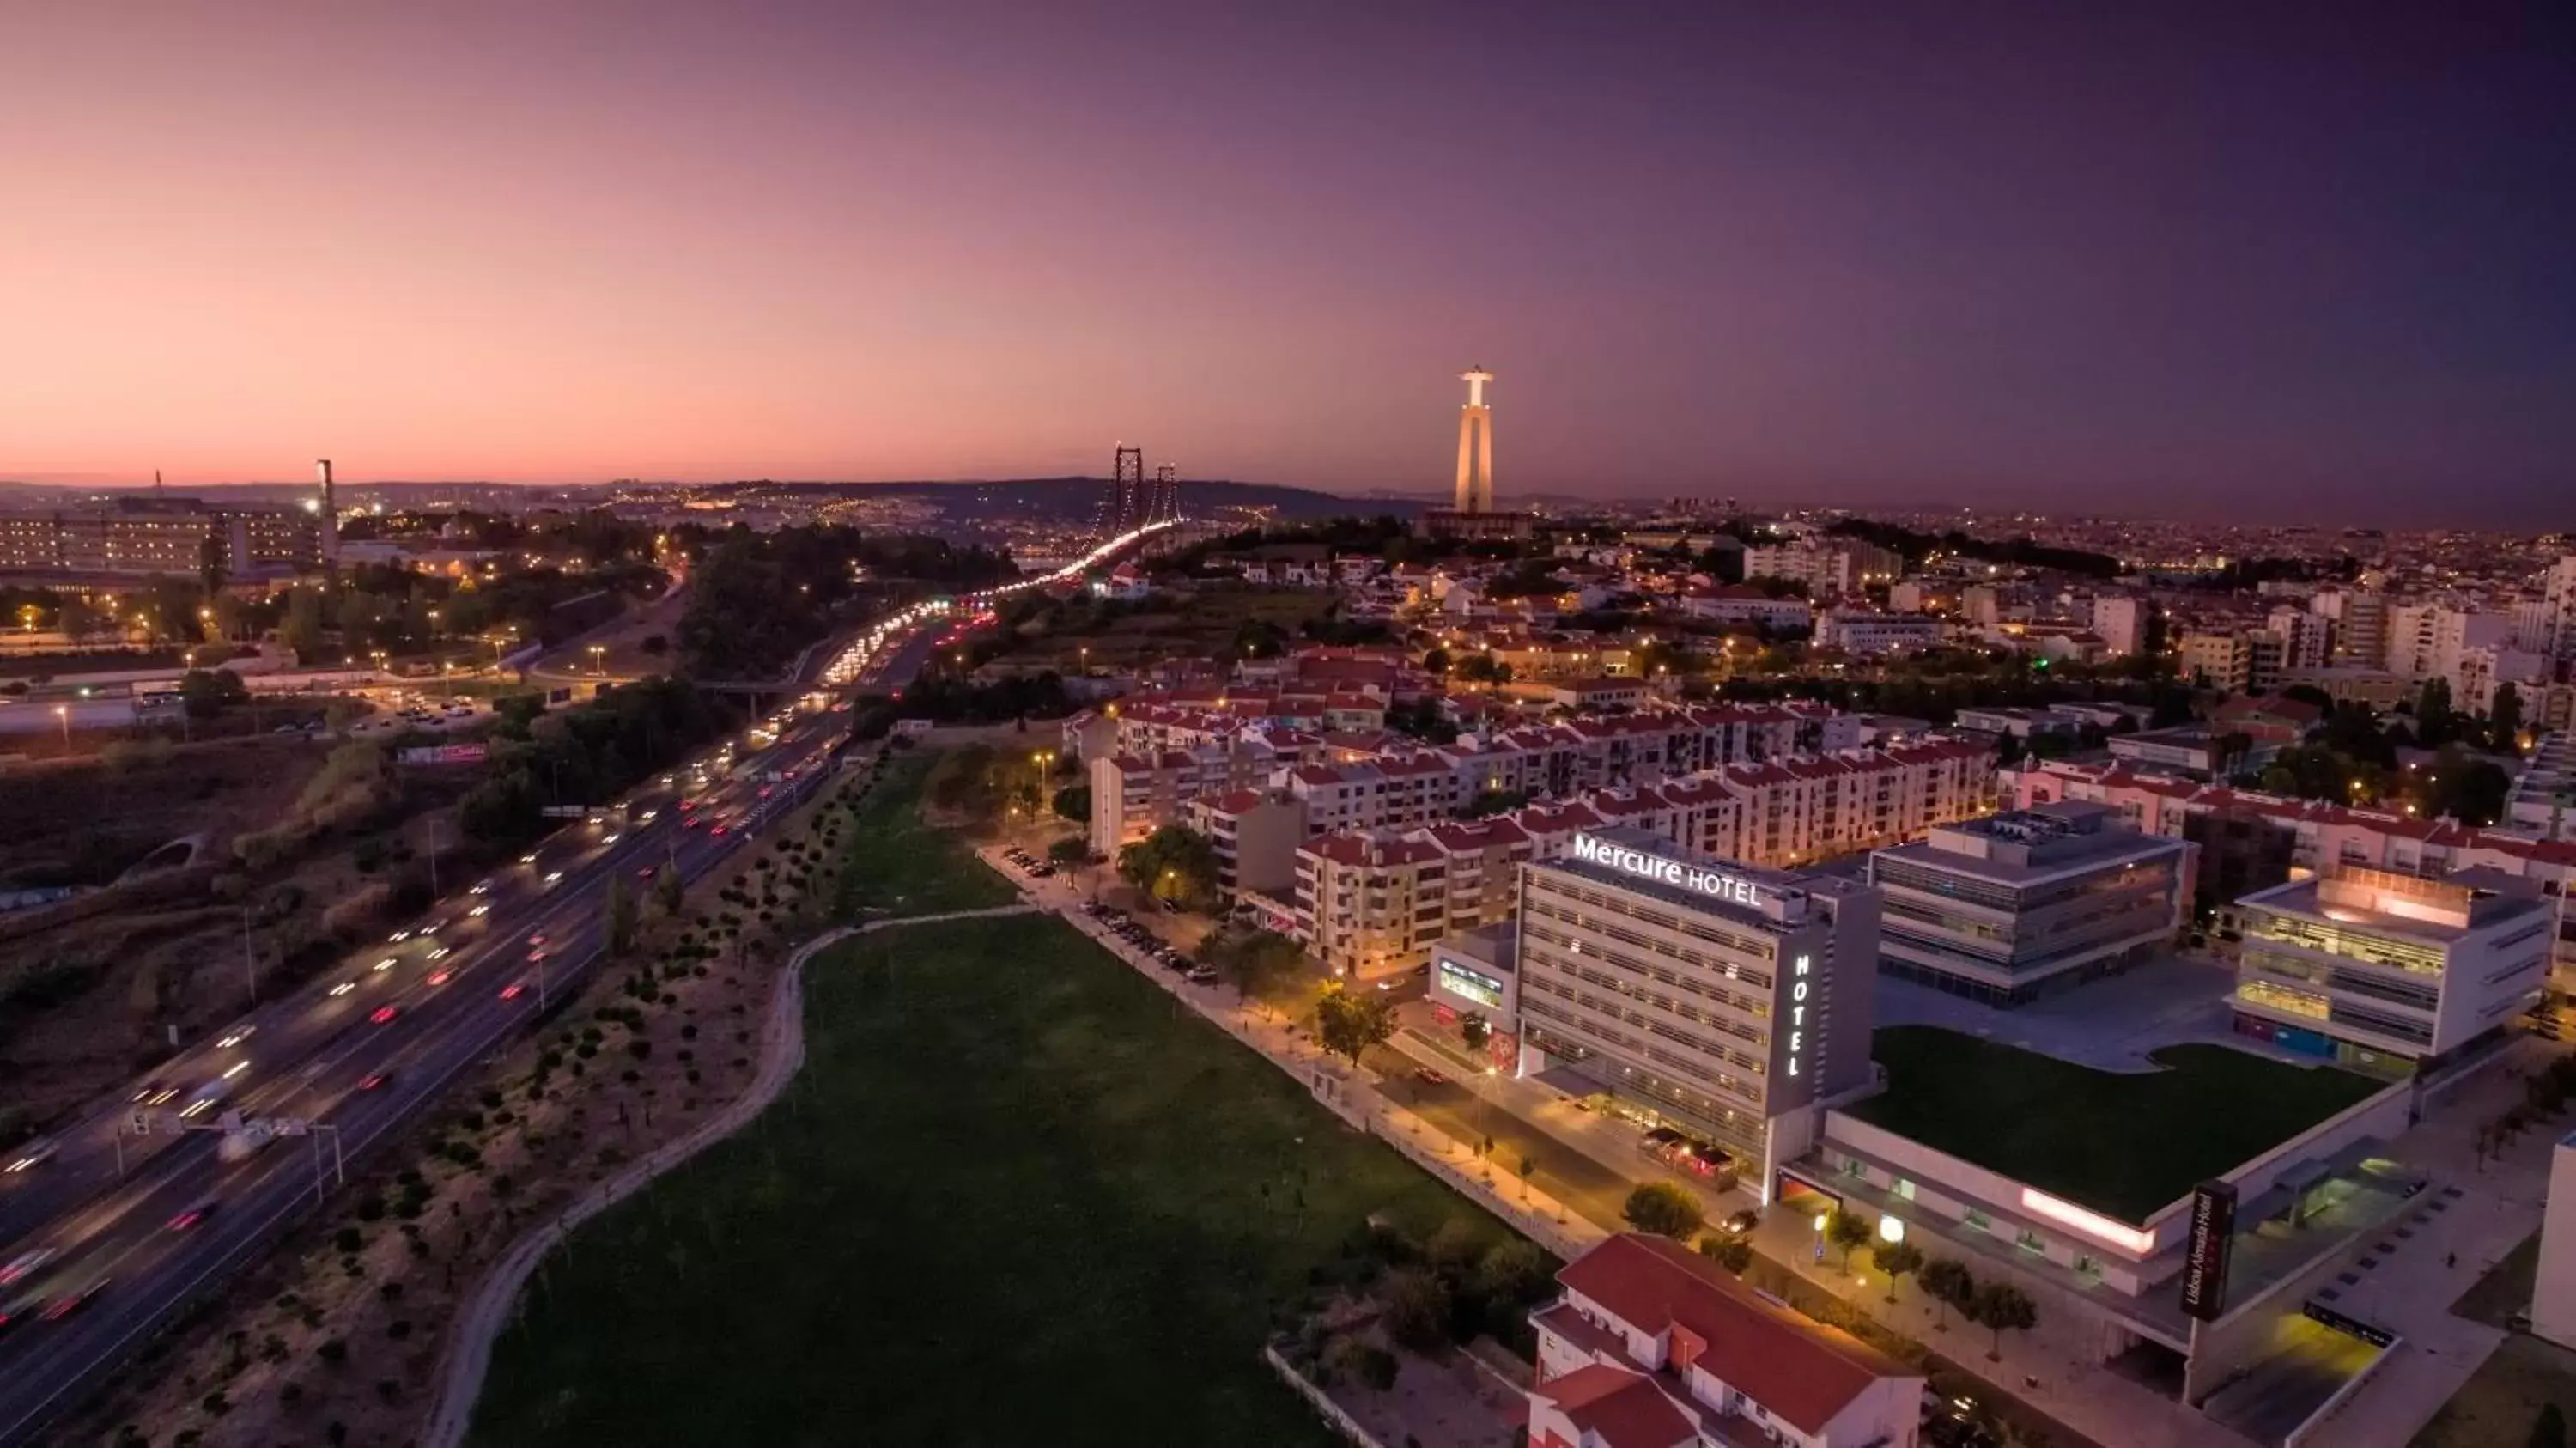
x=114 y=1221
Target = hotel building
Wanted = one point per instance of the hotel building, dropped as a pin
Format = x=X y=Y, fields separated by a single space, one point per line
x=1727 y=1000
x=2390 y=973
x=2010 y=907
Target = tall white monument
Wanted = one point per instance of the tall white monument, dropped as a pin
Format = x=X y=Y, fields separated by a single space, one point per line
x=1476 y=445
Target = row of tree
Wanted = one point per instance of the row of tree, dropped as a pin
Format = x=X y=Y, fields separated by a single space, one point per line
x=582 y=755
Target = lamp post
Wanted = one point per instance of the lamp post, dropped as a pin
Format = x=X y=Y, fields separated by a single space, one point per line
x=63 y=716
x=599 y=659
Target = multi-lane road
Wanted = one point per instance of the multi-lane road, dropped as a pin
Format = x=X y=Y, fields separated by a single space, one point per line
x=119 y=1220
x=113 y=1232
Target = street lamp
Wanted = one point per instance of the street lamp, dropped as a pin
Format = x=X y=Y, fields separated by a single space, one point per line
x=599 y=659
x=63 y=715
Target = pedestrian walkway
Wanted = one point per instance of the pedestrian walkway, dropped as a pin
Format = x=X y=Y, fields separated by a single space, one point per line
x=782 y=1052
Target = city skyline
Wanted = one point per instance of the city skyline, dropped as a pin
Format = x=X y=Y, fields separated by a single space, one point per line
x=1811 y=261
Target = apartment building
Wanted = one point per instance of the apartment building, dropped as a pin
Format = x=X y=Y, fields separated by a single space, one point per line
x=1744 y=604
x=1369 y=904
x=2390 y=973
x=1861 y=631
x=1722 y=999
x=1653 y=1346
x=2217 y=659
x=1799 y=810
x=1256 y=835
x=1827 y=572
x=1133 y=795
x=2426 y=640
x=2011 y=907
x=155 y=534
x=2121 y=621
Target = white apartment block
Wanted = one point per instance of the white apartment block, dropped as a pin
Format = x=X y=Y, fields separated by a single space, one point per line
x=2425 y=640
x=2121 y=621
x=1861 y=631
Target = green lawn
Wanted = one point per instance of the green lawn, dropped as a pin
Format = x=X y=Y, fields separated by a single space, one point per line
x=2122 y=1143
x=899 y=864
x=1014 y=1197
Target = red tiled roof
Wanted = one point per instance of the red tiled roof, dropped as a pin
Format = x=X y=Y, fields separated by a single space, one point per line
x=1800 y=1371
x=1624 y=1409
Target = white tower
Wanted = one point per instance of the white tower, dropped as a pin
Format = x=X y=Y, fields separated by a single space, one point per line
x=1475 y=445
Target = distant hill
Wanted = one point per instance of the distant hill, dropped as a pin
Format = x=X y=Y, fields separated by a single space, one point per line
x=1077 y=499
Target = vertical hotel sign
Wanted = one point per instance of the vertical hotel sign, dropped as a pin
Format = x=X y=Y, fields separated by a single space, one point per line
x=2204 y=1272
x=1798 y=1015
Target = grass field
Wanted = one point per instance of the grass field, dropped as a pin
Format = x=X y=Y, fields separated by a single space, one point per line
x=899 y=864
x=1014 y=1197
x=2124 y=1143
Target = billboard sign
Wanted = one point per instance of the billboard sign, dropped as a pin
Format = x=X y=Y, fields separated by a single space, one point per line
x=2204 y=1272
x=1717 y=884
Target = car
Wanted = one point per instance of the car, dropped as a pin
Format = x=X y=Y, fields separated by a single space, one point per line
x=720 y=829
x=536 y=955
x=479 y=887
x=610 y=838
x=433 y=927
x=441 y=977
x=529 y=858
x=399 y=936
x=374 y=1080
x=1429 y=1077
x=154 y=1093
x=24 y=1263
x=33 y=1155
x=646 y=872
x=344 y=987
x=385 y=964
x=71 y=1302
x=1741 y=1222
x=383 y=1014
x=479 y=911
x=689 y=822
x=555 y=878
x=239 y=1034
x=441 y=953
x=536 y=937
x=194 y=1213
x=1043 y=871
x=514 y=990
x=1202 y=975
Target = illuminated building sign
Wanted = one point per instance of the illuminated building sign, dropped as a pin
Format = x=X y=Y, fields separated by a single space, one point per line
x=1798 y=1015
x=2091 y=1224
x=1483 y=989
x=2213 y=1228
x=1716 y=884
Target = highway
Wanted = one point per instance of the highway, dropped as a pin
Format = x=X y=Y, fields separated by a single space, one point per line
x=109 y=1234
x=359 y=1051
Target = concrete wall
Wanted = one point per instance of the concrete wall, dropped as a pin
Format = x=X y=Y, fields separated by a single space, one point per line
x=2225 y=1350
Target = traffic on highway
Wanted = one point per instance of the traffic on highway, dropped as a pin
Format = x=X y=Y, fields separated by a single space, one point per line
x=113 y=1222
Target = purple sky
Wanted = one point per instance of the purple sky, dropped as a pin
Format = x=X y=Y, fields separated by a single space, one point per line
x=2151 y=259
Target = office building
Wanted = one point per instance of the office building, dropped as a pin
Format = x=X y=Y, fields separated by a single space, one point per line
x=1725 y=1000
x=1653 y=1346
x=2390 y=973
x=2014 y=906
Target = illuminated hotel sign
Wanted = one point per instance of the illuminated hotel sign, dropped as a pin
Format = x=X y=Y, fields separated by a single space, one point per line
x=1798 y=1014
x=1716 y=884
x=2213 y=1229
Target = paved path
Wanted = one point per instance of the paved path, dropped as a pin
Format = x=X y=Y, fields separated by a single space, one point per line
x=782 y=1052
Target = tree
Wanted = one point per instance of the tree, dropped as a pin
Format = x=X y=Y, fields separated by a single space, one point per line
x=1174 y=863
x=2000 y=1307
x=1417 y=1308
x=668 y=891
x=301 y=628
x=1947 y=1281
x=1253 y=960
x=1356 y=1359
x=1349 y=1022
x=617 y=917
x=1663 y=1210
x=211 y=557
x=2549 y=1430
x=205 y=695
x=1071 y=850
x=1481 y=669
x=1732 y=1253
x=1473 y=1033
x=2504 y=720
x=1896 y=1259
x=1846 y=1230
x=1513 y=1270
x=1073 y=802
x=2433 y=726
x=1436 y=662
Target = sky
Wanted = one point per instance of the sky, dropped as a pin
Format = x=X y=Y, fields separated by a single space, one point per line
x=2245 y=261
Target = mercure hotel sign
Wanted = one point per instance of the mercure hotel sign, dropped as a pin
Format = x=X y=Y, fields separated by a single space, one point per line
x=1716 y=884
